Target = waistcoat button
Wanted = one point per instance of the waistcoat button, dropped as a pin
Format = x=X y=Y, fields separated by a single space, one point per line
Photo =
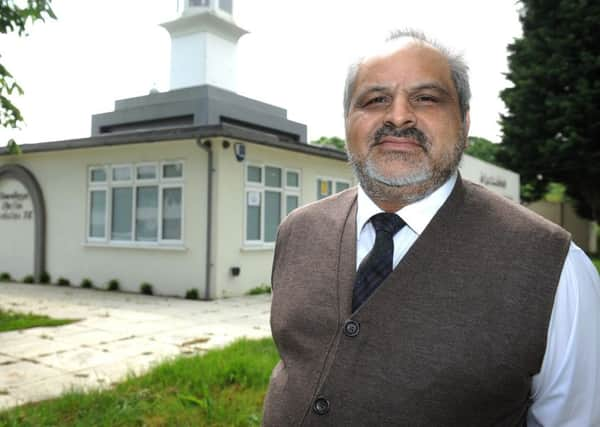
x=321 y=406
x=351 y=328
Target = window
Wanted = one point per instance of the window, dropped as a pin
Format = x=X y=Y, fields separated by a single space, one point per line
x=328 y=186
x=146 y=213
x=97 y=203
x=122 y=207
x=140 y=203
x=341 y=186
x=121 y=173
x=97 y=175
x=172 y=170
x=200 y=3
x=97 y=214
x=254 y=174
x=171 y=209
x=226 y=5
x=271 y=193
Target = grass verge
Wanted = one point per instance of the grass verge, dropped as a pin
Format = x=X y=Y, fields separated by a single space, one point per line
x=222 y=388
x=13 y=321
x=260 y=290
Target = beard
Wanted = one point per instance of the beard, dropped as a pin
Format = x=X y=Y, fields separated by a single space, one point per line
x=422 y=174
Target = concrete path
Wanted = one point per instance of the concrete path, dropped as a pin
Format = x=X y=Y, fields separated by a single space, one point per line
x=118 y=333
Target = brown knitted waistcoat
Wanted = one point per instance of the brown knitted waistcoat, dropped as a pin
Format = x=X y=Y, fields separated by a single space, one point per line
x=451 y=338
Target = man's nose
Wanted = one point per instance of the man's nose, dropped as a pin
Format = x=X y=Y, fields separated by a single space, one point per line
x=400 y=114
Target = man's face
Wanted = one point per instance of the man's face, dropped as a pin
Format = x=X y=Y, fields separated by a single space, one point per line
x=404 y=125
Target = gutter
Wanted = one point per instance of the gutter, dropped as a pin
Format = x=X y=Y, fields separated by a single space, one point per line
x=178 y=133
x=207 y=146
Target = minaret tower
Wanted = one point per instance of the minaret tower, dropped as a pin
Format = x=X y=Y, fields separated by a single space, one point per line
x=203 y=44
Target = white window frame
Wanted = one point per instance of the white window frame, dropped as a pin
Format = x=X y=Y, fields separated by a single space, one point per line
x=261 y=187
x=109 y=184
x=94 y=167
x=160 y=215
x=172 y=179
x=122 y=184
x=291 y=191
x=145 y=182
x=155 y=165
x=262 y=174
x=97 y=186
x=334 y=182
x=111 y=168
x=340 y=181
x=286 y=186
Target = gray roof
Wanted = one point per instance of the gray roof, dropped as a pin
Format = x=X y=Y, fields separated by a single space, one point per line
x=197 y=106
x=183 y=132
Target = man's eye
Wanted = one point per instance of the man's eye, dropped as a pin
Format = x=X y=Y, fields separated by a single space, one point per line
x=377 y=100
x=426 y=99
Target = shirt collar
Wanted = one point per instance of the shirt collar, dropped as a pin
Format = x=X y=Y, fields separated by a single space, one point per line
x=417 y=215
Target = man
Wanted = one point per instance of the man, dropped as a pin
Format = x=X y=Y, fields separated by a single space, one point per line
x=491 y=316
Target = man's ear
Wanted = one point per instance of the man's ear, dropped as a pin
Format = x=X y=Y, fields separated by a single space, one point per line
x=467 y=125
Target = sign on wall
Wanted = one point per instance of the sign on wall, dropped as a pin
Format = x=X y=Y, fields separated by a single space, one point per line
x=15 y=206
x=499 y=180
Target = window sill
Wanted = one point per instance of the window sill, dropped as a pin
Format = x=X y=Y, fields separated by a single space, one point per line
x=143 y=246
x=258 y=247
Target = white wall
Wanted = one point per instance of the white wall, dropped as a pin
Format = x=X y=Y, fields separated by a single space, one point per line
x=499 y=180
x=255 y=261
x=62 y=176
x=16 y=229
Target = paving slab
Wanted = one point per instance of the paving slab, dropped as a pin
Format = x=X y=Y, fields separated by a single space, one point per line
x=131 y=327
x=7 y=401
x=127 y=348
x=90 y=337
x=5 y=359
x=118 y=333
x=47 y=388
x=37 y=347
x=24 y=372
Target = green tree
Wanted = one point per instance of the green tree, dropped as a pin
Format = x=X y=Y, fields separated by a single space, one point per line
x=483 y=149
x=15 y=17
x=552 y=128
x=331 y=142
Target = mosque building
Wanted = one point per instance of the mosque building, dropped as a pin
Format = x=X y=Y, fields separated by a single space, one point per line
x=182 y=189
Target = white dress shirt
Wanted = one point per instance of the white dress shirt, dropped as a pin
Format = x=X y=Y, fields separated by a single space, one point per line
x=566 y=391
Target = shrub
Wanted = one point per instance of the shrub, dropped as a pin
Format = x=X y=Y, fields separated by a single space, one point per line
x=259 y=290
x=87 y=283
x=62 y=281
x=5 y=277
x=146 y=288
x=113 y=285
x=45 y=277
x=191 y=294
x=28 y=279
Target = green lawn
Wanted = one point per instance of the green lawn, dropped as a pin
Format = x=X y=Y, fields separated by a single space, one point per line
x=12 y=321
x=222 y=388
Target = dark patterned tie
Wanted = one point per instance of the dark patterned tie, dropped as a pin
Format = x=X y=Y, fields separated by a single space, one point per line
x=378 y=263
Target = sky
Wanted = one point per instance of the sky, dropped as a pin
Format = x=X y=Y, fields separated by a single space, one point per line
x=295 y=57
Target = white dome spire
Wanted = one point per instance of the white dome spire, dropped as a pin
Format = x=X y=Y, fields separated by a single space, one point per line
x=203 y=44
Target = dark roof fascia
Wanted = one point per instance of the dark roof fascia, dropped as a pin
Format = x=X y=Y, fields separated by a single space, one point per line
x=183 y=132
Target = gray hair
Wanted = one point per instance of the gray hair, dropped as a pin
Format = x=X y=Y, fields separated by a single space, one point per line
x=459 y=70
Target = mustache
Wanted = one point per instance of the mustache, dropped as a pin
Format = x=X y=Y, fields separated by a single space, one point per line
x=411 y=132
